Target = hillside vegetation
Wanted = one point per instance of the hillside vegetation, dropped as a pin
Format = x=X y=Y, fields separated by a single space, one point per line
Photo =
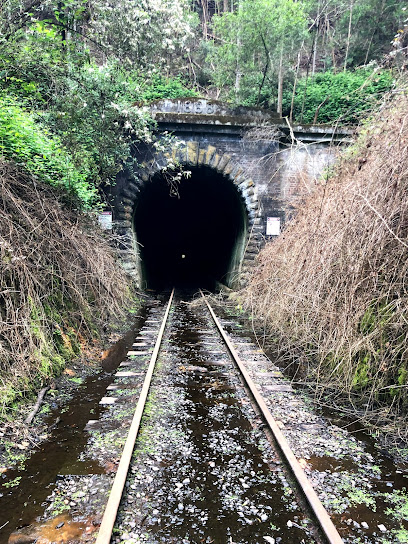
x=59 y=283
x=331 y=291
x=85 y=66
x=72 y=109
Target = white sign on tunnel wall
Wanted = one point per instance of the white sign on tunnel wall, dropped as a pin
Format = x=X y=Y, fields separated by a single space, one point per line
x=272 y=226
x=105 y=220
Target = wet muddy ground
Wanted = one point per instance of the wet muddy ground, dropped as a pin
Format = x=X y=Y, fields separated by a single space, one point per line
x=56 y=440
x=203 y=470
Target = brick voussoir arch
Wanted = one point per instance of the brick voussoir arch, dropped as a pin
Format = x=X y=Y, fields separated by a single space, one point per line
x=186 y=155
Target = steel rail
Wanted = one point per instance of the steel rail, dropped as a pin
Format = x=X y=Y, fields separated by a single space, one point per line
x=112 y=506
x=323 y=518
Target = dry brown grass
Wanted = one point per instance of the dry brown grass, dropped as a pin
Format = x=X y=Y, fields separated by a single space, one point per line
x=59 y=282
x=332 y=291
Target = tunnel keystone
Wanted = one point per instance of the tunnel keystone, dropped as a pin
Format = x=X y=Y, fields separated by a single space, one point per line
x=210 y=152
x=192 y=153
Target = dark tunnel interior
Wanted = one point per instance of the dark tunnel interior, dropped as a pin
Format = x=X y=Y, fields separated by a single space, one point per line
x=194 y=238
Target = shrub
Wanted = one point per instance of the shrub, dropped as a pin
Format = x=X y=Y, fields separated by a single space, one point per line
x=333 y=287
x=31 y=146
x=60 y=284
x=159 y=87
x=344 y=96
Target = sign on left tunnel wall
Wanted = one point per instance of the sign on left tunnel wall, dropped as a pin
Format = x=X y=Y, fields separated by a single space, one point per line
x=105 y=220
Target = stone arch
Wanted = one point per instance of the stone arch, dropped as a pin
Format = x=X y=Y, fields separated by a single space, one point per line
x=189 y=154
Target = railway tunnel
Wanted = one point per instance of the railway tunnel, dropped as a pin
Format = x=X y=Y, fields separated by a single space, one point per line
x=191 y=234
x=243 y=180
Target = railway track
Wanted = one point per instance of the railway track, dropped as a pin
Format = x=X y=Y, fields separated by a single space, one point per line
x=208 y=362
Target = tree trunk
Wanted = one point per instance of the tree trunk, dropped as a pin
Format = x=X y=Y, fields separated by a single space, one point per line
x=265 y=71
x=316 y=115
x=280 y=84
x=63 y=31
x=368 y=48
x=37 y=405
x=295 y=83
x=307 y=77
x=238 y=73
x=348 y=35
x=204 y=6
x=314 y=60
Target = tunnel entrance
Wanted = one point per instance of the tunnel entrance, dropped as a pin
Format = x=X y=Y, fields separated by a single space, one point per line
x=194 y=238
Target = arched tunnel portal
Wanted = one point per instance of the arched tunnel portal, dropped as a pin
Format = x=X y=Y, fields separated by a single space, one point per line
x=243 y=186
x=190 y=233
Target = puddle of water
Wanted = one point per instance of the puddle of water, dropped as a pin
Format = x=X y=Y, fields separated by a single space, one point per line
x=59 y=455
x=60 y=530
x=113 y=356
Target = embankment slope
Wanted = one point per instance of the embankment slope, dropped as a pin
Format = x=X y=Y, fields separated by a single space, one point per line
x=59 y=283
x=332 y=291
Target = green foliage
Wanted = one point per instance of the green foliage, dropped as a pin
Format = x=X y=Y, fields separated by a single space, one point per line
x=99 y=117
x=398 y=498
x=256 y=43
x=249 y=47
x=402 y=375
x=159 y=87
x=256 y=94
x=353 y=33
x=344 y=96
x=76 y=380
x=13 y=483
x=358 y=496
x=144 y=34
x=362 y=375
x=29 y=144
x=59 y=505
x=88 y=106
x=378 y=326
x=378 y=314
x=401 y=535
x=262 y=41
x=74 y=85
x=11 y=393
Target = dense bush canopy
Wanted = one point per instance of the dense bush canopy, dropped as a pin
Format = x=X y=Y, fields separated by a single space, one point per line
x=31 y=146
x=341 y=97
